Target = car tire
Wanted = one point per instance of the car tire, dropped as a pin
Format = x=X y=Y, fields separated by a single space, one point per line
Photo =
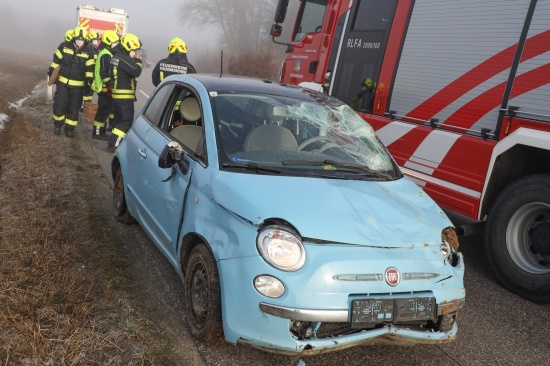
x=203 y=296
x=517 y=247
x=119 y=201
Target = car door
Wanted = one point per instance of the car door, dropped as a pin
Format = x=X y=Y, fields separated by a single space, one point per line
x=162 y=192
x=133 y=147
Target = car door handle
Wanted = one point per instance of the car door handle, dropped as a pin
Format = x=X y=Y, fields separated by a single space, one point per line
x=142 y=153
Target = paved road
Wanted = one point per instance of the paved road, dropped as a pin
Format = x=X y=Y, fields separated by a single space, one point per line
x=496 y=327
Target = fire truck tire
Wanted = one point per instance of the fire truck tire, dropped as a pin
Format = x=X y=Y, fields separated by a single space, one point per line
x=518 y=238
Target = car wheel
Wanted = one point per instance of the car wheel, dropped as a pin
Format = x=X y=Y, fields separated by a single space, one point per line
x=119 y=200
x=203 y=296
x=518 y=238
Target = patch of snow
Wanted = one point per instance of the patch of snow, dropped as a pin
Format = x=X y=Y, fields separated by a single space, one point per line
x=19 y=103
x=3 y=119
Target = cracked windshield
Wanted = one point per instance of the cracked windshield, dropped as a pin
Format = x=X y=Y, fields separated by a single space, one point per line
x=278 y=132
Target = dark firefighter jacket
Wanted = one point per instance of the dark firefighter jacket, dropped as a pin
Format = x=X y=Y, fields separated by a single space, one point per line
x=124 y=72
x=175 y=63
x=77 y=66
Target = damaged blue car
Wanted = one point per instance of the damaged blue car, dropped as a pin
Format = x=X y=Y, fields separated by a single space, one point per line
x=291 y=226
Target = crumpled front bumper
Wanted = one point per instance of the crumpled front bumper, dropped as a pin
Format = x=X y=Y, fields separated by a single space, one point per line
x=316 y=297
x=388 y=335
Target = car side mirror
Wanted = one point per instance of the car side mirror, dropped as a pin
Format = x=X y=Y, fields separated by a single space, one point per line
x=173 y=154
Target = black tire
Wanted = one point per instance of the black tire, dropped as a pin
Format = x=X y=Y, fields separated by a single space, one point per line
x=120 y=208
x=203 y=297
x=517 y=240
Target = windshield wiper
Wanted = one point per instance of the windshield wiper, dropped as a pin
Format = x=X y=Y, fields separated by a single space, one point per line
x=253 y=166
x=363 y=168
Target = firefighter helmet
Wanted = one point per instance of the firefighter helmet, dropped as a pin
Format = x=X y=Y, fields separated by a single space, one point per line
x=93 y=35
x=80 y=32
x=177 y=45
x=69 y=35
x=130 y=42
x=368 y=82
x=109 y=37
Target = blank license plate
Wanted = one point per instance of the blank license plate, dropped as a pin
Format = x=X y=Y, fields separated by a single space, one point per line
x=370 y=312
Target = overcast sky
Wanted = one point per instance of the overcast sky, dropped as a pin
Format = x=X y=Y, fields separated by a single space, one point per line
x=45 y=22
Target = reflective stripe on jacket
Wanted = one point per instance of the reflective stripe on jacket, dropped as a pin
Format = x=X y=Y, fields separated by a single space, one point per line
x=76 y=65
x=175 y=63
x=124 y=72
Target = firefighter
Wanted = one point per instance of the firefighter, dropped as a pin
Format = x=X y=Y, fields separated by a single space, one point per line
x=103 y=84
x=365 y=98
x=93 y=44
x=175 y=63
x=76 y=64
x=125 y=68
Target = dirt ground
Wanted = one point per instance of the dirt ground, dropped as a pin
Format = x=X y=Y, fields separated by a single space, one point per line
x=70 y=293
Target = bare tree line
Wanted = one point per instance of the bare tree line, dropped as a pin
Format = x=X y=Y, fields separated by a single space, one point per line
x=243 y=27
x=243 y=24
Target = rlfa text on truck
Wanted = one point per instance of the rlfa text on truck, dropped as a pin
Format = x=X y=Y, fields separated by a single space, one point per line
x=459 y=93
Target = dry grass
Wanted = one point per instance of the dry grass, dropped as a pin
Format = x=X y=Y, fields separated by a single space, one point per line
x=263 y=65
x=62 y=295
x=259 y=65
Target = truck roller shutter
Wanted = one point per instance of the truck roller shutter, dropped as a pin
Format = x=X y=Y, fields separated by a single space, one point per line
x=531 y=88
x=456 y=62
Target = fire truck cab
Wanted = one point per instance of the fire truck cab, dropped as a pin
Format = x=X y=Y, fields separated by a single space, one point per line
x=459 y=92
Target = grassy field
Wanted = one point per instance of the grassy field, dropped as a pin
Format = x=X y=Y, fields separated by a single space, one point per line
x=65 y=292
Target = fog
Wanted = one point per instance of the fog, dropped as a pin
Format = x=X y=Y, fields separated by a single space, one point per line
x=37 y=26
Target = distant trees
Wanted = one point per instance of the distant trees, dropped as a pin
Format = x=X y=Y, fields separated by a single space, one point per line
x=244 y=24
x=243 y=27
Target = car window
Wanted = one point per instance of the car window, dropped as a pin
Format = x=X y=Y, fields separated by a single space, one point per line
x=182 y=119
x=296 y=134
x=155 y=108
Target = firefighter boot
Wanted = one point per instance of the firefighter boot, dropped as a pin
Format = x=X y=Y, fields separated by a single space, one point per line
x=57 y=128
x=69 y=132
x=99 y=133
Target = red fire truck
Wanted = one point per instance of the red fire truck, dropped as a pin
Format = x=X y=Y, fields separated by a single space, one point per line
x=99 y=20
x=458 y=91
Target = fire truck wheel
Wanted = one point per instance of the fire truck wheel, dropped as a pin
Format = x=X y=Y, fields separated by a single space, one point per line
x=518 y=238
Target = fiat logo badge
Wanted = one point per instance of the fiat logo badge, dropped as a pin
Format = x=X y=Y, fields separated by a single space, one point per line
x=392 y=276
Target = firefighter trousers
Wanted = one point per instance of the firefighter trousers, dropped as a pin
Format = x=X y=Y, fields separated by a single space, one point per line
x=66 y=105
x=124 y=115
x=104 y=109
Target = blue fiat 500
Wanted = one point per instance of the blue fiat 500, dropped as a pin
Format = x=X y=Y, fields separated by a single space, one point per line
x=291 y=226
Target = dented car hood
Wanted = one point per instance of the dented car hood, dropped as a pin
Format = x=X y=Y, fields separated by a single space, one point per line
x=385 y=214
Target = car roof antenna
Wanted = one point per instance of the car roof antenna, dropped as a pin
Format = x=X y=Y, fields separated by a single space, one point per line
x=221 y=65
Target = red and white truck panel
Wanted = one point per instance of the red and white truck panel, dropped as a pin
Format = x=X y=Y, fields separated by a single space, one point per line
x=461 y=100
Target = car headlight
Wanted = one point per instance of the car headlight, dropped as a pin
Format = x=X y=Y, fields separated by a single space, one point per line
x=281 y=248
x=449 y=253
x=449 y=245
